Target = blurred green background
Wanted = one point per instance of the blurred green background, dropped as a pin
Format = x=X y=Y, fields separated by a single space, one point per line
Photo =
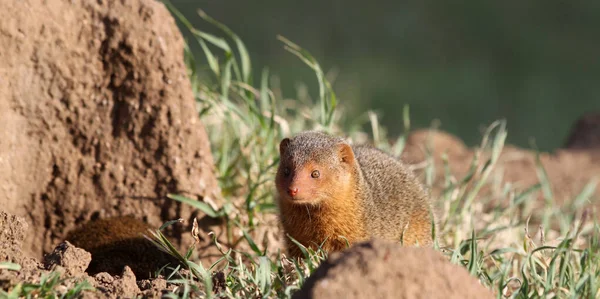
x=465 y=63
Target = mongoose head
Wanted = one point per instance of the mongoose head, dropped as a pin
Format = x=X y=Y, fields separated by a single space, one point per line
x=314 y=167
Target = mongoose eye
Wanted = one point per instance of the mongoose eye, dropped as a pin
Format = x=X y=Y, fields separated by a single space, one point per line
x=315 y=174
x=286 y=171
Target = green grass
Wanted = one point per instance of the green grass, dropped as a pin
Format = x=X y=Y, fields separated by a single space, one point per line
x=245 y=119
x=50 y=285
x=258 y=276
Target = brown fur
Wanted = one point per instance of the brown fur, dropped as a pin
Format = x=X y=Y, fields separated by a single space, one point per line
x=328 y=222
x=358 y=193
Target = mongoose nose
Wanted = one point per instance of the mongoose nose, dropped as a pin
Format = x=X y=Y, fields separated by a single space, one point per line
x=292 y=191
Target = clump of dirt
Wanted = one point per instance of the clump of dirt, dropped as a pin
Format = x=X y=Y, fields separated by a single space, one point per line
x=12 y=233
x=117 y=242
x=97 y=117
x=123 y=286
x=585 y=133
x=154 y=288
x=73 y=260
x=381 y=269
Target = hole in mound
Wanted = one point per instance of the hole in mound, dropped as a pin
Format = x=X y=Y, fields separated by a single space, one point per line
x=118 y=242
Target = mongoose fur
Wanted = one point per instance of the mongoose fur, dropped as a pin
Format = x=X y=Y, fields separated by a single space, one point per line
x=330 y=192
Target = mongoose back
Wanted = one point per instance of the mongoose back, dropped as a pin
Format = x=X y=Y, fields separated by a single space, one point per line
x=332 y=194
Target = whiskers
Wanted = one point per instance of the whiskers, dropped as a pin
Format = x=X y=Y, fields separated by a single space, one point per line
x=308 y=213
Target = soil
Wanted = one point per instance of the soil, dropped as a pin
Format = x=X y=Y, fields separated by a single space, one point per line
x=118 y=242
x=380 y=269
x=568 y=170
x=13 y=230
x=97 y=118
x=71 y=262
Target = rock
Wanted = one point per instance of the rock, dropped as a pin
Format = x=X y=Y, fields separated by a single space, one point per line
x=380 y=269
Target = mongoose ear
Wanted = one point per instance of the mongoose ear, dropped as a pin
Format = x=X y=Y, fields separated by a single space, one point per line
x=283 y=145
x=345 y=153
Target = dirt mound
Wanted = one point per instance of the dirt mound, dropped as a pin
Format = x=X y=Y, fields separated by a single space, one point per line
x=378 y=269
x=569 y=171
x=421 y=141
x=585 y=133
x=97 y=117
x=69 y=262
